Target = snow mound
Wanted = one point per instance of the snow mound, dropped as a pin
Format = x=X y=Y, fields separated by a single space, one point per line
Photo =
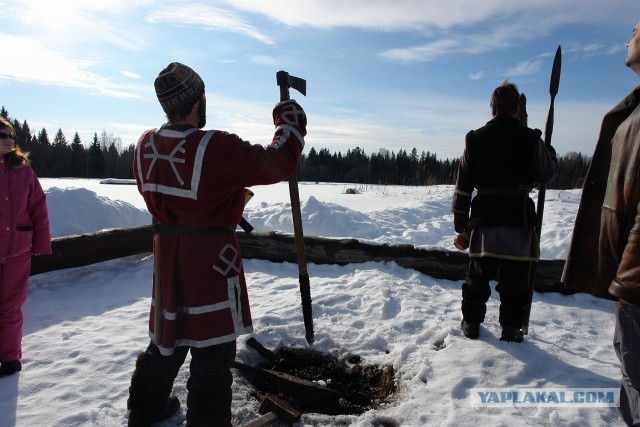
x=78 y=210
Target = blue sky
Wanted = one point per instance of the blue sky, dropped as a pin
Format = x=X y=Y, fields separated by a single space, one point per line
x=380 y=73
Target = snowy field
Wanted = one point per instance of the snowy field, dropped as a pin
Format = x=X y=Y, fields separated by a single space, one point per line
x=83 y=327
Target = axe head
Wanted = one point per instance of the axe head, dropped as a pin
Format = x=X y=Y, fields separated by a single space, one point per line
x=286 y=81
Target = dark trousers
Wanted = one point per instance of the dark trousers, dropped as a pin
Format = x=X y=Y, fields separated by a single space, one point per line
x=513 y=284
x=209 y=384
x=626 y=342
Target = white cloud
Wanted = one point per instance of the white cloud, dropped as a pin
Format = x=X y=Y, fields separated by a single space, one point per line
x=130 y=74
x=424 y=52
x=462 y=26
x=485 y=38
x=403 y=15
x=476 y=75
x=208 y=17
x=263 y=60
x=373 y=14
x=60 y=70
x=594 y=48
x=79 y=20
x=525 y=68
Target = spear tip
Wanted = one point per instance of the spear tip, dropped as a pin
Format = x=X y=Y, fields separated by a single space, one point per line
x=555 y=72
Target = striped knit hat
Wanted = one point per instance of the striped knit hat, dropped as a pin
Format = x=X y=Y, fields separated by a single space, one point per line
x=178 y=86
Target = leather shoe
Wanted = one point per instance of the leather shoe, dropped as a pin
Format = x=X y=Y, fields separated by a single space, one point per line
x=511 y=334
x=470 y=330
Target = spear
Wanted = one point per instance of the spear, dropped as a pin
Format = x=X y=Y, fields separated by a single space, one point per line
x=542 y=192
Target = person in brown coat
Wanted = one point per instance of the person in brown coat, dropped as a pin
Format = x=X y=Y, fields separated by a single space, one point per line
x=607 y=229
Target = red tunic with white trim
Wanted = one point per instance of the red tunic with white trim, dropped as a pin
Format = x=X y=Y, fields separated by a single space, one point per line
x=197 y=178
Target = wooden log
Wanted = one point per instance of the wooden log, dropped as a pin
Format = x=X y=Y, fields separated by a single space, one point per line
x=85 y=249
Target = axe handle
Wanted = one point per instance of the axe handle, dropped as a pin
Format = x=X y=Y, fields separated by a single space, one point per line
x=305 y=288
x=157 y=293
x=303 y=275
x=284 y=93
x=297 y=224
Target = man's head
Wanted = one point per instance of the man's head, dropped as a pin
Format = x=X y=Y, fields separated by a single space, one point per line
x=505 y=99
x=633 y=50
x=178 y=88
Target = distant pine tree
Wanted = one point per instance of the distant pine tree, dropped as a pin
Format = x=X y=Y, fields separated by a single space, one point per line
x=78 y=158
x=95 y=159
x=61 y=156
x=41 y=154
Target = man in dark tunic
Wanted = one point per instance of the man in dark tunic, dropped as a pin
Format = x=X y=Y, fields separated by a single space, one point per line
x=502 y=160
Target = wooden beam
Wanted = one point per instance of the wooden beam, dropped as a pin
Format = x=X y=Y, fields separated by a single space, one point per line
x=85 y=249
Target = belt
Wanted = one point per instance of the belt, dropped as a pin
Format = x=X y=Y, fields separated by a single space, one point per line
x=506 y=192
x=183 y=229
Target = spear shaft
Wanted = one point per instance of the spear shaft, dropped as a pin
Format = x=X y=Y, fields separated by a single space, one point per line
x=542 y=192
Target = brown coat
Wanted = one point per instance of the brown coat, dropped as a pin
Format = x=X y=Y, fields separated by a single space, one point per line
x=604 y=255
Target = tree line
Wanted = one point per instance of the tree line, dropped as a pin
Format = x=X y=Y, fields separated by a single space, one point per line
x=106 y=157
x=411 y=168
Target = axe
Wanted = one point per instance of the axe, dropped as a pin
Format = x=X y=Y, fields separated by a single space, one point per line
x=286 y=81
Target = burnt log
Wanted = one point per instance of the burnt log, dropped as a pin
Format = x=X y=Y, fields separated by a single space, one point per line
x=84 y=249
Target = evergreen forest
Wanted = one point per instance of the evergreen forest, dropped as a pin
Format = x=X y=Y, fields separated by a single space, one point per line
x=106 y=157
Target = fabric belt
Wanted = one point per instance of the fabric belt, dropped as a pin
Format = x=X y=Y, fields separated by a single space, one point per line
x=505 y=192
x=183 y=229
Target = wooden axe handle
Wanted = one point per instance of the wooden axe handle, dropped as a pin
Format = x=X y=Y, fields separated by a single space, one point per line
x=283 y=79
x=157 y=293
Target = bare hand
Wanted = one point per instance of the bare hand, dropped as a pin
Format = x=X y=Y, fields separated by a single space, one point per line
x=461 y=241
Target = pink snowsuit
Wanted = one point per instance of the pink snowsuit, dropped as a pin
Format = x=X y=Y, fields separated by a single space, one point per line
x=24 y=230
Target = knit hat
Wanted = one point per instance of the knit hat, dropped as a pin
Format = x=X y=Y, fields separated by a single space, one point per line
x=178 y=86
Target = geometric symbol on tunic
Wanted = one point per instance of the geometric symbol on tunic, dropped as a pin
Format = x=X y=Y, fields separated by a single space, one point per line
x=291 y=117
x=230 y=263
x=171 y=158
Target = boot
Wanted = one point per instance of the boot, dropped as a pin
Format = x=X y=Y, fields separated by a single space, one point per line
x=470 y=330
x=206 y=412
x=136 y=390
x=140 y=419
x=10 y=368
x=143 y=405
x=511 y=334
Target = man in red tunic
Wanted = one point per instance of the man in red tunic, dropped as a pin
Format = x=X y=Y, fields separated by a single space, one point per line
x=193 y=182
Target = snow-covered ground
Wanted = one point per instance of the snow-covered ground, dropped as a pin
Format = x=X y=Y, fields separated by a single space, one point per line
x=83 y=327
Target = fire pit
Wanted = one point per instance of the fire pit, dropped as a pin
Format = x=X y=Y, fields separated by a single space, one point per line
x=326 y=384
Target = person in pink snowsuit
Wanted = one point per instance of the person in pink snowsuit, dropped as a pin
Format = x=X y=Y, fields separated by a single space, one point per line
x=24 y=231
